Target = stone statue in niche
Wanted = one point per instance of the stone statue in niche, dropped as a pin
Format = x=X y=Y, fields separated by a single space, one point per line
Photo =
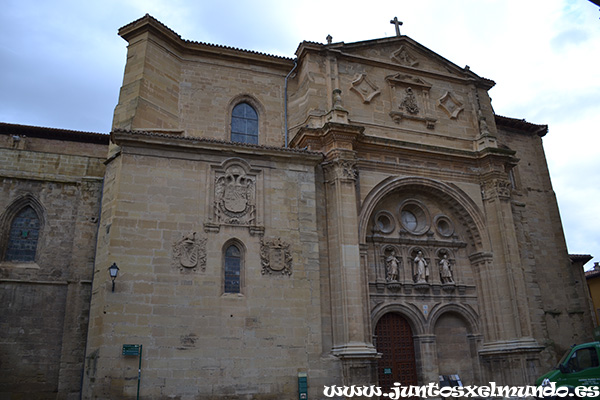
x=446 y=270
x=391 y=267
x=422 y=270
x=483 y=126
x=190 y=252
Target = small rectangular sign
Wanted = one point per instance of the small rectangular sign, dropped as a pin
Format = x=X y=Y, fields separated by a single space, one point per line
x=387 y=371
x=131 y=349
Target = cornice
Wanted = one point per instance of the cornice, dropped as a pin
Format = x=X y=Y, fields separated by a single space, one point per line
x=150 y=25
x=143 y=139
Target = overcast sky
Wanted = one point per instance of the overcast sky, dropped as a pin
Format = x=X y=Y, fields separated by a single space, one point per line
x=61 y=64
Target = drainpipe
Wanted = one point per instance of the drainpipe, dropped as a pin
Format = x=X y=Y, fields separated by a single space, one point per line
x=286 y=102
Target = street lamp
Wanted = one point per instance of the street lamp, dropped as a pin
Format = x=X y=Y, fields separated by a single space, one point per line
x=113 y=270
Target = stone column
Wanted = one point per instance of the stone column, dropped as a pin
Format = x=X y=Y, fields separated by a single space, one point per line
x=507 y=272
x=504 y=297
x=351 y=322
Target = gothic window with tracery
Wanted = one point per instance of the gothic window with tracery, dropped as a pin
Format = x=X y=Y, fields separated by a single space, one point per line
x=23 y=236
x=233 y=267
x=244 y=124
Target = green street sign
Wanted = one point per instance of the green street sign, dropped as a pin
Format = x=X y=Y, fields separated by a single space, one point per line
x=131 y=349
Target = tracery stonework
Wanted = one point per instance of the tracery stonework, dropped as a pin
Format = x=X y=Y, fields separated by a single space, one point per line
x=275 y=257
x=190 y=252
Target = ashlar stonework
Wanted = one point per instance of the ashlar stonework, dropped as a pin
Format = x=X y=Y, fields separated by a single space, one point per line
x=386 y=226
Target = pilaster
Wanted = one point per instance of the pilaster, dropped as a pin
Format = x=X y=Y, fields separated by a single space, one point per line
x=352 y=341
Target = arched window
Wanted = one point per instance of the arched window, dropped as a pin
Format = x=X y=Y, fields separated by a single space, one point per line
x=233 y=268
x=23 y=236
x=244 y=124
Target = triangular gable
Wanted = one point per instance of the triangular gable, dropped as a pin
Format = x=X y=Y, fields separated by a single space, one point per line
x=397 y=51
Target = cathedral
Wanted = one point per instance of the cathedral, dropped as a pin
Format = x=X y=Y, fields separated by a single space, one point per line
x=259 y=227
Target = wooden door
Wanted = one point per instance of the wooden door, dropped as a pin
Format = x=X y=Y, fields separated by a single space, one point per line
x=393 y=338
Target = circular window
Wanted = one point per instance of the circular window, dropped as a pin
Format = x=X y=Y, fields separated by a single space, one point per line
x=444 y=226
x=414 y=217
x=384 y=222
x=409 y=220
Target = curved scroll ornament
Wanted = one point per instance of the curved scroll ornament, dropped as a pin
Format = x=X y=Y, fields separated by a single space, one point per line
x=235 y=197
x=190 y=252
x=275 y=257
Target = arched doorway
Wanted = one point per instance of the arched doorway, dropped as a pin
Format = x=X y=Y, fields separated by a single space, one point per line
x=454 y=348
x=394 y=340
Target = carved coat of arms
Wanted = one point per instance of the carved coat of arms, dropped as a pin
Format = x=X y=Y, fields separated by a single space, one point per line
x=275 y=257
x=234 y=196
x=190 y=252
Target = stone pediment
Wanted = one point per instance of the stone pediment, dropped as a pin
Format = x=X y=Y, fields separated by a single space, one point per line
x=404 y=79
x=401 y=52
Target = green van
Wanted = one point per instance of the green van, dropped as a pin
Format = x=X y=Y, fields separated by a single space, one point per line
x=577 y=373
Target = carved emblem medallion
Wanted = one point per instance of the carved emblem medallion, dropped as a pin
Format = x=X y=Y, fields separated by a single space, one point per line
x=234 y=196
x=366 y=89
x=275 y=257
x=410 y=102
x=190 y=252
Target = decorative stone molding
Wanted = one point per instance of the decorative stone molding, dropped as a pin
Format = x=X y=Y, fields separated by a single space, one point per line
x=410 y=102
x=449 y=287
x=275 y=257
x=450 y=105
x=384 y=222
x=235 y=197
x=496 y=188
x=340 y=169
x=407 y=80
x=399 y=116
x=394 y=286
x=410 y=99
x=404 y=56
x=190 y=252
x=365 y=88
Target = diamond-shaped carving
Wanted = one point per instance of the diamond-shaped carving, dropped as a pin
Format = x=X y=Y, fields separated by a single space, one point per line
x=404 y=57
x=451 y=105
x=366 y=89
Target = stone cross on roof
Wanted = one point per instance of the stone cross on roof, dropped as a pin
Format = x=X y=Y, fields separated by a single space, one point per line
x=397 y=23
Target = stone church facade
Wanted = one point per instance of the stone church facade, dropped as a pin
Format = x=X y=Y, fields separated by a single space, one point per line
x=356 y=215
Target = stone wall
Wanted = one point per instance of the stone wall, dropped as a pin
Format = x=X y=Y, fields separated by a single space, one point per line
x=559 y=308
x=198 y=340
x=46 y=300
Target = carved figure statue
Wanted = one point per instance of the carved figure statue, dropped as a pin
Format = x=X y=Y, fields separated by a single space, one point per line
x=422 y=269
x=391 y=264
x=446 y=270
